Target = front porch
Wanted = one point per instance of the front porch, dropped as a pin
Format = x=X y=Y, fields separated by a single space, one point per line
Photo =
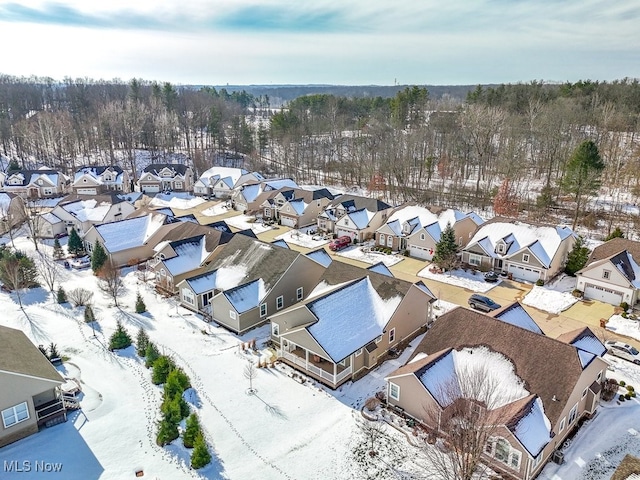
x=322 y=369
x=55 y=411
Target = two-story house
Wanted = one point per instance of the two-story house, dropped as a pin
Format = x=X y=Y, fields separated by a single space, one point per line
x=297 y=208
x=370 y=214
x=220 y=182
x=98 y=179
x=166 y=177
x=41 y=183
x=246 y=198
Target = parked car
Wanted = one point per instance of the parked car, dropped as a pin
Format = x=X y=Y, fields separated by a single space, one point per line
x=80 y=262
x=482 y=303
x=623 y=350
x=340 y=243
x=60 y=235
x=491 y=276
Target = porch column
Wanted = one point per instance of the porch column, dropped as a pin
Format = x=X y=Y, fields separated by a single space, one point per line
x=306 y=357
x=335 y=371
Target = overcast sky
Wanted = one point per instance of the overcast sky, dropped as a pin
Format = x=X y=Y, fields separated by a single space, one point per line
x=351 y=42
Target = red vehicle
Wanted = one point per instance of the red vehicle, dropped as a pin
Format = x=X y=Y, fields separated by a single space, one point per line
x=340 y=243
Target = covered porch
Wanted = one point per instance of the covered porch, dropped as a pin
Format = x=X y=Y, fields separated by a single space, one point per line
x=54 y=411
x=315 y=365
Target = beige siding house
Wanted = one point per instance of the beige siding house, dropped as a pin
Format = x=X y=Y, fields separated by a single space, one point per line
x=349 y=322
x=220 y=182
x=552 y=384
x=300 y=208
x=41 y=183
x=97 y=179
x=250 y=197
x=163 y=177
x=376 y=215
x=29 y=388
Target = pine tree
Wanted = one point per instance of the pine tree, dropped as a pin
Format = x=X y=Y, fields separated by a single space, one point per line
x=173 y=409
x=192 y=430
x=61 y=295
x=142 y=342
x=446 y=254
x=161 y=368
x=43 y=350
x=577 y=257
x=151 y=355
x=200 y=455
x=167 y=432
x=53 y=351
x=89 y=315
x=140 y=306
x=120 y=338
x=617 y=233
x=172 y=386
x=74 y=244
x=98 y=257
x=58 y=253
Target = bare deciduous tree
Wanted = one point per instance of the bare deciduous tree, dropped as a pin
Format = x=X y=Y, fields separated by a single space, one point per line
x=48 y=269
x=250 y=373
x=80 y=297
x=373 y=431
x=110 y=281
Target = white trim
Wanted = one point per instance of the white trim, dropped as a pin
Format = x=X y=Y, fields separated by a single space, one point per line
x=299 y=293
x=232 y=314
x=562 y=424
x=263 y=310
x=57 y=382
x=280 y=302
x=392 y=335
x=12 y=412
x=275 y=330
x=391 y=388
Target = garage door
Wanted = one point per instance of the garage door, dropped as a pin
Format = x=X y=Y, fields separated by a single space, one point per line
x=602 y=294
x=288 y=221
x=419 y=252
x=524 y=273
x=87 y=191
x=340 y=232
x=151 y=188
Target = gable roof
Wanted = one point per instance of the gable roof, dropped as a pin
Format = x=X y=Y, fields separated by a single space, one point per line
x=356 y=202
x=321 y=256
x=515 y=314
x=588 y=345
x=131 y=232
x=629 y=469
x=247 y=296
x=212 y=175
x=156 y=168
x=18 y=355
x=615 y=245
x=361 y=218
x=96 y=172
x=422 y=217
x=548 y=367
x=28 y=177
x=280 y=243
x=380 y=267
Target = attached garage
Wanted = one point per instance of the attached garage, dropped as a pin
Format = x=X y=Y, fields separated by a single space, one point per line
x=525 y=273
x=349 y=233
x=596 y=292
x=150 y=188
x=288 y=221
x=87 y=191
x=420 y=252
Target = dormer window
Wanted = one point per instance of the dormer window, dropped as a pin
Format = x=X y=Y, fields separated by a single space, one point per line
x=501 y=248
x=346 y=222
x=407 y=228
x=606 y=274
x=525 y=257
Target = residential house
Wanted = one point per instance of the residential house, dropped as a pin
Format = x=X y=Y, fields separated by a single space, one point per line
x=33 y=184
x=29 y=384
x=244 y=198
x=612 y=273
x=189 y=255
x=629 y=469
x=220 y=182
x=526 y=252
x=299 y=208
x=97 y=179
x=351 y=319
x=418 y=229
x=166 y=177
x=12 y=211
x=81 y=213
x=366 y=215
x=248 y=281
x=540 y=387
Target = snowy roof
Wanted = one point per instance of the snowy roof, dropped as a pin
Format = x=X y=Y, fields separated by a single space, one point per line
x=321 y=256
x=50 y=218
x=361 y=218
x=350 y=317
x=88 y=210
x=628 y=267
x=380 y=267
x=476 y=218
x=216 y=173
x=96 y=172
x=247 y=296
x=422 y=217
x=298 y=205
x=356 y=202
x=280 y=243
x=410 y=212
x=591 y=344
x=251 y=192
x=189 y=256
x=278 y=183
x=518 y=316
x=130 y=233
x=533 y=429
x=543 y=240
x=425 y=289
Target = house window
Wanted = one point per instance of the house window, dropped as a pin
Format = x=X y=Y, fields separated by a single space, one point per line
x=267 y=212
x=299 y=293
x=562 y=422
x=536 y=462
x=422 y=237
x=275 y=329
x=178 y=184
x=573 y=414
x=346 y=222
x=263 y=310
x=500 y=248
x=599 y=377
x=279 y=302
x=460 y=241
x=16 y=414
x=525 y=257
x=394 y=391
x=501 y=450
x=379 y=339
x=584 y=393
x=232 y=314
x=358 y=352
x=606 y=274
x=187 y=296
x=392 y=335
x=514 y=460
x=475 y=259
x=382 y=239
x=390 y=241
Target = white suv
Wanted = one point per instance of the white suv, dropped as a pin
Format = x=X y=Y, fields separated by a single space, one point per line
x=623 y=350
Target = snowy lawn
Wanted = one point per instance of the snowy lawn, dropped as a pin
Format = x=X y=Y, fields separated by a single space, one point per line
x=177 y=200
x=218 y=209
x=460 y=278
x=440 y=307
x=562 y=283
x=357 y=253
x=624 y=326
x=549 y=300
x=245 y=222
x=298 y=237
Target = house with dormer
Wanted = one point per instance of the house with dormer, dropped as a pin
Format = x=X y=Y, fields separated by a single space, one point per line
x=612 y=273
x=220 y=182
x=249 y=198
x=349 y=322
x=417 y=229
x=373 y=213
x=248 y=281
x=536 y=388
x=297 y=208
x=32 y=184
x=524 y=251
x=166 y=177
x=99 y=179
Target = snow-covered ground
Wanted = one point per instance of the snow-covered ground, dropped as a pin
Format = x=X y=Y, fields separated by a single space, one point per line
x=369 y=256
x=177 y=200
x=549 y=300
x=460 y=278
x=245 y=222
x=624 y=326
x=299 y=237
x=218 y=209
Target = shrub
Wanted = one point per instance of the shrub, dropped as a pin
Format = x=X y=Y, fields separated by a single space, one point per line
x=630 y=388
x=119 y=339
x=621 y=398
x=372 y=403
x=577 y=293
x=61 y=296
x=539 y=282
x=167 y=432
x=53 y=351
x=80 y=297
x=624 y=306
x=622 y=383
x=633 y=394
x=88 y=314
x=200 y=455
x=151 y=354
x=627 y=396
x=140 y=306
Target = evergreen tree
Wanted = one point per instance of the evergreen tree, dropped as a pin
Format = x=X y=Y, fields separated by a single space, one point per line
x=120 y=338
x=43 y=350
x=617 y=233
x=88 y=314
x=142 y=342
x=200 y=455
x=61 y=295
x=161 y=368
x=174 y=408
x=53 y=351
x=151 y=355
x=167 y=432
x=140 y=306
x=192 y=430
x=98 y=257
x=446 y=254
x=577 y=257
x=172 y=386
x=74 y=244
x=58 y=253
